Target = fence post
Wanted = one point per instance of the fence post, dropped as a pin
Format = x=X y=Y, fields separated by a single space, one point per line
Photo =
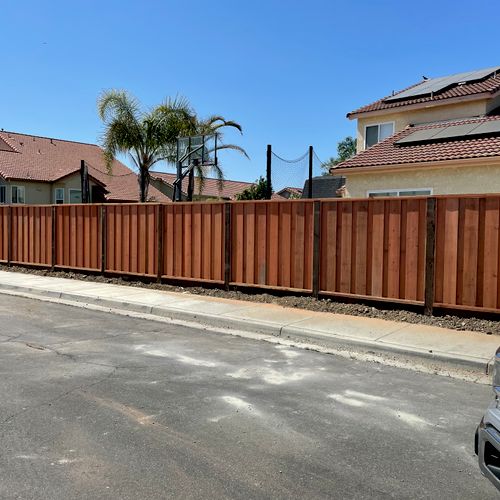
x=269 y=187
x=316 y=248
x=9 y=235
x=103 y=239
x=227 y=245
x=430 y=258
x=54 y=235
x=159 y=249
x=309 y=185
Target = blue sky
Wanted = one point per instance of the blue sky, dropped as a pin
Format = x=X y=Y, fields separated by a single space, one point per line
x=287 y=71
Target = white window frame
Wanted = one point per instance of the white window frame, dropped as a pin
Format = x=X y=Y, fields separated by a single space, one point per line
x=393 y=123
x=18 y=188
x=73 y=189
x=3 y=188
x=399 y=191
x=55 y=195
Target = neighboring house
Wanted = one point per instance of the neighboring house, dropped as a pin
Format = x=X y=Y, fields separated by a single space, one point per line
x=290 y=193
x=439 y=136
x=324 y=186
x=211 y=190
x=41 y=170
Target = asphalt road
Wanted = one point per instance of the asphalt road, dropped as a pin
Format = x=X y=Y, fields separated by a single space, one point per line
x=100 y=406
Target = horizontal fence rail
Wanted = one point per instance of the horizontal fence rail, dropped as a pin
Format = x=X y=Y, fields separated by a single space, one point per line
x=440 y=251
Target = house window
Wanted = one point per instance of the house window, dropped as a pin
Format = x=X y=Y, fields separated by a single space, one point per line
x=59 y=196
x=3 y=194
x=17 y=194
x=377 y=133
x=75 y=195
x=399 y=192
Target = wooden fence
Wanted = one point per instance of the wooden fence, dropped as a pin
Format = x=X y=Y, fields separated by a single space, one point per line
x=440 y=251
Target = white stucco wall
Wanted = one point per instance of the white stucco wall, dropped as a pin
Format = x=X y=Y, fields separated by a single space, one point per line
x=449 y=180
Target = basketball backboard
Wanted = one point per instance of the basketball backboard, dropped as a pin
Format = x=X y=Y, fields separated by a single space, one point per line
x=200 y=149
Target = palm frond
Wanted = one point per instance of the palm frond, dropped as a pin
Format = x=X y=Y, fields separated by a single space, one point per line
x=234 y=147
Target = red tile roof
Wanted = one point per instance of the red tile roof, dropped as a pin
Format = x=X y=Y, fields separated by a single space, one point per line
x=33 y=158
x=389 y=153
x=489 y=86
x=210 y=187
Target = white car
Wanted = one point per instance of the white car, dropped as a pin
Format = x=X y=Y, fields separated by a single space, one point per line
x=487 y=442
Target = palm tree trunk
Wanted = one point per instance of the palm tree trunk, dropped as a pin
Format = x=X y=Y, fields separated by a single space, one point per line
x=144 y=184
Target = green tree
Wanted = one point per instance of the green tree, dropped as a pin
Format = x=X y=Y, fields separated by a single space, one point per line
x=146 y=136
x=257 y=191
x=345 y=150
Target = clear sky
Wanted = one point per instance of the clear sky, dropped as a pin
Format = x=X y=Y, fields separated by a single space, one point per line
x=288 y=71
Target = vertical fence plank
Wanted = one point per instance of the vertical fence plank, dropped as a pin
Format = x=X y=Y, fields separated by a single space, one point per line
x=490 y=253
x=430 y=258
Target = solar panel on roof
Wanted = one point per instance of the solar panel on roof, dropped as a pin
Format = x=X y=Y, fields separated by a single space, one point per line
x=455 y=131
x=437 y=84
x=452 y=131
x=487 y=128
x=418 y=136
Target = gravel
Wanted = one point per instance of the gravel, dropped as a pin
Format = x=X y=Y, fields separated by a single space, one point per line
x=461 y=323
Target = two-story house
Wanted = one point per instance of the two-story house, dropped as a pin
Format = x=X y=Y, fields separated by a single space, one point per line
x=439 y=136
x=44 y=170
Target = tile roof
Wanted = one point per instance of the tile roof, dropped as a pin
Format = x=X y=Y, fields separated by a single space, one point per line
x=210 y=187
x=292 y=190
x=33 y=158
x=489 y=86
x=389 y=153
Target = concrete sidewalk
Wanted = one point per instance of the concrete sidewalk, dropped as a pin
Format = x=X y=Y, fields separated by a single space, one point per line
x=441 y=346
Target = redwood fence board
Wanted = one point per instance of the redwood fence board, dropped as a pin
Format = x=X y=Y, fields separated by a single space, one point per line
x=31 y=230
x=272 y=244
x=77 y=238
x=193 y=241
x=373 y=248
x=4 y=234
x=365 y=248
x=127 y=248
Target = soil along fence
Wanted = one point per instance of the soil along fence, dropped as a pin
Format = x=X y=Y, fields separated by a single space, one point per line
x=429 y=251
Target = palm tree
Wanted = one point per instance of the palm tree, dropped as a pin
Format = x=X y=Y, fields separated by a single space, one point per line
x=146 y=136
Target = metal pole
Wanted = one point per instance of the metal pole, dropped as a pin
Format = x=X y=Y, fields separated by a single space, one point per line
x=310 y=190
x=269 y=190
x=178 y=183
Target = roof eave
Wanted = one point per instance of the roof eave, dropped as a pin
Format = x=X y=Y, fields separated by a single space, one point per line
x=480 y=160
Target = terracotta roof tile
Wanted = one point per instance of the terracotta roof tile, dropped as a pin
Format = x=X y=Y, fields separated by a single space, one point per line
x=42 y=159
x=389 y=153
x=211 y=186
x=490 y=85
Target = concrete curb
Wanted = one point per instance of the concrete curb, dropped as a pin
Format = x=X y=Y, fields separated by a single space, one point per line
x=290 y=332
